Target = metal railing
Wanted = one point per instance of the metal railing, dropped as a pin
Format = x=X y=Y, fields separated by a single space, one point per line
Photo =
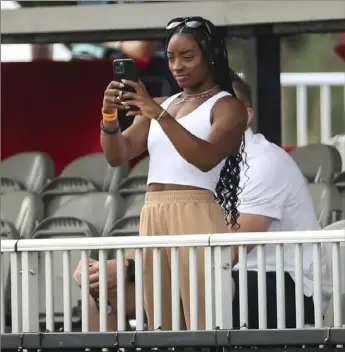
x=325 y=81
x=41 y=272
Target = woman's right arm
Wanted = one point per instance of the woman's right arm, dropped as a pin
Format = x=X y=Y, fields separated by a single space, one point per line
x=122 y=147
x=119 y=148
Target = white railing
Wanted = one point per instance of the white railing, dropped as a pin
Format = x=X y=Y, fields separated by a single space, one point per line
x=325 y=81
x=42 y=270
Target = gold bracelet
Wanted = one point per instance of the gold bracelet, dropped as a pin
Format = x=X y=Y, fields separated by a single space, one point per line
x=160 y=115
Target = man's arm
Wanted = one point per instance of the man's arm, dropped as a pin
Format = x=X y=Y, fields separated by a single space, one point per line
x=263 y=197
x=251 y=223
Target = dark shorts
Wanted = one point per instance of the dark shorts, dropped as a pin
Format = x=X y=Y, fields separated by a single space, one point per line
x=253 y=304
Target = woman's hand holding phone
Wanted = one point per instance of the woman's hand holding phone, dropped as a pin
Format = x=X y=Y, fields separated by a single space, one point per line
x=142 y=100
x=111 y=100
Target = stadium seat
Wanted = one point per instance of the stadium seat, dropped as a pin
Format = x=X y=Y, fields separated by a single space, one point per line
x=60 y=190
x=87 y=215
x=318 y=162
x=24 y=210
x=338 y=141
x=95 y=168
x=100 y=209
x=90 y=173
x=9 y=185
x=128 y=224
x=136 y=180
x=339 y=182
x=329 y=315
x=8 y=232
x=26 y=171
x=61 y=226
x=326 y=201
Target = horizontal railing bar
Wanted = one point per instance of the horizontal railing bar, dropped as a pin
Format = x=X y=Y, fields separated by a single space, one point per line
x=149 y=339
x=198 y=240
x=112 y=243
x=8 y=245
x=286 y=237
x=312 y=78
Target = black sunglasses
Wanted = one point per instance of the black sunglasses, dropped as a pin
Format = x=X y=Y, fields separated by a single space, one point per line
x=190 y=22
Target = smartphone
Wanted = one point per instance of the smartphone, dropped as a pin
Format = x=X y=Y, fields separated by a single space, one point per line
x=126 y=69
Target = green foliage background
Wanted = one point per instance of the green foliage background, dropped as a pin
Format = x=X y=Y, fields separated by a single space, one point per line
x=304 y=53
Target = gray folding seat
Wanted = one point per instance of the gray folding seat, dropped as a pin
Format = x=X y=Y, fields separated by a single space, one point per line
x=329 y=315
x=8 y=232
x=128 y=224
x=338 y=141
x=24 y=210
x=87 y=215
x=317 y=162
x=96 y=169
x=89 y=173
x=339 y=182
x=136 y=180
x=326 y=201
x=26 y=171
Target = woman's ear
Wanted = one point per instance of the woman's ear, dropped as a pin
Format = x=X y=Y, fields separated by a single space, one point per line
x=250 y=116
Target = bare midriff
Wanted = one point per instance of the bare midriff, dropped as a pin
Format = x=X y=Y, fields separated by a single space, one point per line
x=160 y=187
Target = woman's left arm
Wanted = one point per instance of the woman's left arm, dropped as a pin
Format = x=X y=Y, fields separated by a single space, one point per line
x=229 y=122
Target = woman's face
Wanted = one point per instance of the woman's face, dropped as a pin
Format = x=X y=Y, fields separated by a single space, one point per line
x=186 y=61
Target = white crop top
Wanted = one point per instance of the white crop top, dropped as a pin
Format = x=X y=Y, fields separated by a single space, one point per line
x=166 y=165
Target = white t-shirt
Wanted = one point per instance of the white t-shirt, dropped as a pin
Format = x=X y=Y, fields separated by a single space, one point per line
x=273 y=186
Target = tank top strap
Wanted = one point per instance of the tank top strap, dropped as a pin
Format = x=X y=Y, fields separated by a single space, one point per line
x=169 y=100
x=209 y=103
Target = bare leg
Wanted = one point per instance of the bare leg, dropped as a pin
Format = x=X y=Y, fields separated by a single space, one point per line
x=112 y=317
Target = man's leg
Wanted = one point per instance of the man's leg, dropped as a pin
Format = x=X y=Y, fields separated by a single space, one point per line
x=112 y=317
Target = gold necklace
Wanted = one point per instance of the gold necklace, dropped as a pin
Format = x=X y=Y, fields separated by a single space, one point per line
x=186 y=98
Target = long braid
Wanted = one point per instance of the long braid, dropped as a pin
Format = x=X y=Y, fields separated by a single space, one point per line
x=214 y=49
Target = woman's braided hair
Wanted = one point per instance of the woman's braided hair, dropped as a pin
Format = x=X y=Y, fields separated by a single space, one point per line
x=212 y=44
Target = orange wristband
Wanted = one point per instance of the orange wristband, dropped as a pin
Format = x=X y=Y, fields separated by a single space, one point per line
x=109 y=117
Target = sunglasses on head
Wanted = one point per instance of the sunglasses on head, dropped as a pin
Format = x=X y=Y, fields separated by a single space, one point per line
x=190 y=22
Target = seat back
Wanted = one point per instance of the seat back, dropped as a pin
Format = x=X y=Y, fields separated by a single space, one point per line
x=128 y=224
x=136 y=180
x=326 y=201
x=9 y=185
x=31 y=170
x=61 y=227
x=100 y=209
x=317 y=162
x=56 y=192
x=339 y=182
x=8 y=232
x=95 y=168
x=23 y=209
x=338 y=141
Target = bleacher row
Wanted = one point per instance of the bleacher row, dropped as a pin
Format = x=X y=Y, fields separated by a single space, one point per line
x=88 y=195
x=91 y=196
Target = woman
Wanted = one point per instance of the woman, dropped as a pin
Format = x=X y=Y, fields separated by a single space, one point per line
x=194 y=140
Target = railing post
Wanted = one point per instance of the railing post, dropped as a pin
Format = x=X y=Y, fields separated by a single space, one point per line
x=30 y=298
x=223 y=286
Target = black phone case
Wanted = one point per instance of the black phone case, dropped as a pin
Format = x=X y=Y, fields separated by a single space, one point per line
x=125 y=69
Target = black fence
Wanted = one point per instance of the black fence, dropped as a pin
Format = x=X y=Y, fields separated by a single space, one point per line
x=306 y=340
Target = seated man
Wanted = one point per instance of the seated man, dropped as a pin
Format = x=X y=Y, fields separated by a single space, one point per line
x=274 y=197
